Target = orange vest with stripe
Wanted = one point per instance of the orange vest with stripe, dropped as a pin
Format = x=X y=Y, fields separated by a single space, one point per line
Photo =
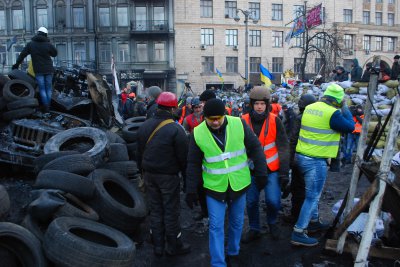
x=358 y=125
x=183 y=115
x=267 y=141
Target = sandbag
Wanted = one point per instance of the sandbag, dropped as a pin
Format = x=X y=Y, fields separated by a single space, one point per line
x=352 y=90
x=363 y=90
x=392 y=83
x=391 y=93
x=360 y=84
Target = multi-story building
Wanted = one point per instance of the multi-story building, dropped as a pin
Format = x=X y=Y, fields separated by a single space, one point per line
x=208 y=37
x=139 y=34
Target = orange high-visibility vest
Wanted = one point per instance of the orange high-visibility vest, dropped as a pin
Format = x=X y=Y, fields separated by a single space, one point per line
x=267 y=141
x=276 y=108
x=358 y=125
x=183 y=115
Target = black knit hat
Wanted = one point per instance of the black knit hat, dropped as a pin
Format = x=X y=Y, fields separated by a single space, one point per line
x=207 y=95
x=396 y=57
x=214 y=107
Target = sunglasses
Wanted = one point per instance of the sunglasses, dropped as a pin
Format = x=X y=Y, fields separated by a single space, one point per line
x=214 y=118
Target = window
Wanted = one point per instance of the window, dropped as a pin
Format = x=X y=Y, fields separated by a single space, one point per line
x=206 y=8
x=61 y=58
x=379 y=43
x=60 y=13
x=207 y=36
x=105 y=53
x=254 y=9
x=277 y=39
x=320 y=42
x=42 y=17
x=348 y=15
x=3 y=54
x=141 y=18
x=79 y=53
x=298 y=10
x=142 y=52
x=78 y=17
x=2 y=20
x=378 y=18
x=366 y=18
x=159 y=17
x=390 y=1
x=297 y=65
x=379 y=1
x=277 y=64
x=17 y=50
x=159 y=51
x=255 y=64
x=104 y=16
x=317 y=65
x=299 y=41
x=232 y=64
x=367 y=42
x=348 y=41
x=231 y=37
x=122 y=18
x=390 y=19
x=208 y=64
x=277 y=12
x=391 y=43
x=17 y=14
x=230 y=9
x=255 y=38
x=123 y=53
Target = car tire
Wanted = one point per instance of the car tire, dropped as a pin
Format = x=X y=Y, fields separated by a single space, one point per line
x=23 y=103
x=132 y=151
x=36 y=228
x=74 y=207
x=135 y=119
x=22 y=75
x=17 y=114
x=118 y=152
x=43 y=159
x=4 y=202
x=17 y=89
x=129 y=132
x=77 y=242
x=114 y=137
x=128 y=169
x=3 y=80
x=76 y=163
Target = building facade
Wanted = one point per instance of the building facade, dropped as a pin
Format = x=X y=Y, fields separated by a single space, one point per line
x=138 y=34
x=208 y=37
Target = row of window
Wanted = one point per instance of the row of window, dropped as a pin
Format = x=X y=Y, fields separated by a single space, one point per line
x=349 y=42
x=277 y=64
x=348 y=17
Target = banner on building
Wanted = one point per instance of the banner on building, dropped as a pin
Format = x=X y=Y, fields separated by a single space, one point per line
x=314 y=17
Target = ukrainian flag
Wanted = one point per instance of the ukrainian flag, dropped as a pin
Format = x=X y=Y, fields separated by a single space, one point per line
x=265 y=76
x=219 y=74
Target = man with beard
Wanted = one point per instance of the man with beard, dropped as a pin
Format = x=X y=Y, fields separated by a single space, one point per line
x=196 y=117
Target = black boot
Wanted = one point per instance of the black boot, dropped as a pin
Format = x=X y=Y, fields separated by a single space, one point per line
x=175 y=246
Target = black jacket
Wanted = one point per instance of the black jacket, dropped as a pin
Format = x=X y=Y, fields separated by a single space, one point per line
x=41 y=51
x=294 y=136
x=395 y=71
x=195 y=158
x=151 y=109
x=356 y=71
x=167 y=151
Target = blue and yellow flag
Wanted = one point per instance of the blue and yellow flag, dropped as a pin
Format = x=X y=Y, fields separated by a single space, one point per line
x=219 y=74
x=265 y=76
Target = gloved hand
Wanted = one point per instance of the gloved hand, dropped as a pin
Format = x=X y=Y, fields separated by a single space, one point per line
x=191 y=200
x=285 y=185
x=261 y=182
x=14 y=67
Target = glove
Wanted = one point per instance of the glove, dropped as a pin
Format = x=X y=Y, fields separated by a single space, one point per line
x=191 y=200
x=14 y=67
x=261 y=182
x=285 y=185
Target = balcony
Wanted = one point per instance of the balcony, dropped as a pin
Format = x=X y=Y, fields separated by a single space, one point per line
x=150 y=27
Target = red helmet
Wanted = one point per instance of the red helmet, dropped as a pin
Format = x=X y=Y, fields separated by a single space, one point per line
x=167 y=99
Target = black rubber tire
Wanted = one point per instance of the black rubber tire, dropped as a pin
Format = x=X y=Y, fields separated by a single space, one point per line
x=128 y=169
x=76 y=242
x=74 y=207
x=23 y=244
x=36 y=228
x=132 y=151
x=75 y=184
x=118 y=152
x=98 y=152
x=3 y=103
x=22 y=75
x=18 y=114
x=23 y=103
x=118 y=203
x=135 y=119
x=129 y=132
x=3 y=80
x=4 y=202
x=17 y=89
x=114 y=137
x=43 y=159
x=76 y=163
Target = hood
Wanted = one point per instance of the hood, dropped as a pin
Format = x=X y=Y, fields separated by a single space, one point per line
x=355 y=62
x=40 y=38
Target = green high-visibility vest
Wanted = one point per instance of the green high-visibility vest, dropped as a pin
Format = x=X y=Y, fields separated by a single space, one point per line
x=316 y=138
x=221 y=168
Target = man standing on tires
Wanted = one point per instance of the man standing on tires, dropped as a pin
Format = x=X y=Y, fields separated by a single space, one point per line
x=41 y=51
x=161 y=154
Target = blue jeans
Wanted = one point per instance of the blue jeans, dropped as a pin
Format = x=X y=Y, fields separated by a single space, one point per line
x=272 y=199
x=351 y=143
x=45 y=82
x=216 y=213
x=314 y=171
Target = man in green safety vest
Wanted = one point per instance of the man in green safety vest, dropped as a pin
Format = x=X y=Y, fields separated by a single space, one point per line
x=219 y=149
x=319 y=138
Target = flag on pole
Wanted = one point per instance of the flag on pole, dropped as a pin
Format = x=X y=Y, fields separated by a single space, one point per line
x=266 y=76
x=10 y=42
x=115 y=78
x=244 y=78
x=219 y=74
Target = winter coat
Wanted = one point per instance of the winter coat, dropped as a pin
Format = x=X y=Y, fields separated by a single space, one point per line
x=41 y=51
x=128 y=108
x=294 y=136
x=288 y=120
x=356 y=71
x=341 y=77
x=151 y=109
x=395 y=71
x=167 y=151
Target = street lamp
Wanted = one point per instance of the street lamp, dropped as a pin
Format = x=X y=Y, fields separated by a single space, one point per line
x=247 y=15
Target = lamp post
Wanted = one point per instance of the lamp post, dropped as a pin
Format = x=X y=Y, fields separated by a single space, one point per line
x=247 y=15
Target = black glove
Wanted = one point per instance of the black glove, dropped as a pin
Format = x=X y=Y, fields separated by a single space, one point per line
x=261 y=182
x=191 y=200
x=285 y=185
x=14 y=67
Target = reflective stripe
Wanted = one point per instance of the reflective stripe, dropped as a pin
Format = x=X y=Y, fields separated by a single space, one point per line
x=271 y=159
x=225 y=156
x=225 y=170
x=318 y=143
x=269 y=146
x=315 y=130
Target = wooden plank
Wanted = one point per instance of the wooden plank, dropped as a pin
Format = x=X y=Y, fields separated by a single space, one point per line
x=357 y=209
x=352 y=247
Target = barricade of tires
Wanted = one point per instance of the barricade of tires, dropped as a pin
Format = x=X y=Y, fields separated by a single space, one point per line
x=129 y=134
x=84 y=204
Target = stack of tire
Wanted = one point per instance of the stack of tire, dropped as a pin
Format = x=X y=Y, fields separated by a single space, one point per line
x=75 y=191
x=129 y=134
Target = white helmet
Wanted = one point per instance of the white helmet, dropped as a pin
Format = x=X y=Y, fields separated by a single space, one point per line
x=43 y=30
